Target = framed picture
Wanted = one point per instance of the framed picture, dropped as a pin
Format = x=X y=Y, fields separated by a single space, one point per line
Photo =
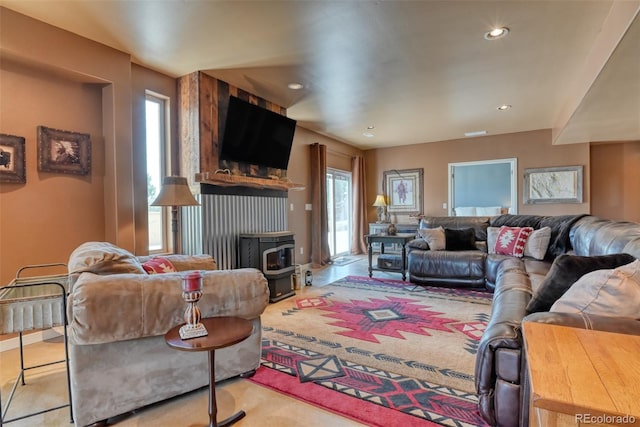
x=553 y=185
x=63 y=151
x=403 y=189
x=12 y=161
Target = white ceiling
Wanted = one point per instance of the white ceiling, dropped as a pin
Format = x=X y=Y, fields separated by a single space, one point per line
x=419 y=71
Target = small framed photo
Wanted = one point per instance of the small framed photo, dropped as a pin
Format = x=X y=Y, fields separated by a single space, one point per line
x=404 y=191
x=63 y=151
x=12 y=160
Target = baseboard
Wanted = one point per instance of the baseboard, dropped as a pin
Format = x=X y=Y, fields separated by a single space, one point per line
x=30 y=338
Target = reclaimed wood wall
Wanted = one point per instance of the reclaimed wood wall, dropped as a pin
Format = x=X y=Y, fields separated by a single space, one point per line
x=203 y=104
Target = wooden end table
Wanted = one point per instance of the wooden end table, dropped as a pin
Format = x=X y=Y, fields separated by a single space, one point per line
x=223 y=332
x=400 y=239
x=581 y=376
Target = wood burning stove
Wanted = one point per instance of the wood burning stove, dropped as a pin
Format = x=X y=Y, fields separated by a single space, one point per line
x=274 y=254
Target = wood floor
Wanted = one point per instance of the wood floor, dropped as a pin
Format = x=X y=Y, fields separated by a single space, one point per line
x=264 y=407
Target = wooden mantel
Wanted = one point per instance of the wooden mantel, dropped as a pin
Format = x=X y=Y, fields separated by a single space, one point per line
x=226 y=180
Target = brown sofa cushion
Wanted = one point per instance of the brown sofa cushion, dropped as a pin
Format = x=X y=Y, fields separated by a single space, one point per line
x=565 y=271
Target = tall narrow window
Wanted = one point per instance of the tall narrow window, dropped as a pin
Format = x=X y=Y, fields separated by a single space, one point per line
x=156 y=108
x=339 y=211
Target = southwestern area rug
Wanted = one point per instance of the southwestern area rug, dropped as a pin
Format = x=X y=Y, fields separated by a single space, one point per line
x=385 y=353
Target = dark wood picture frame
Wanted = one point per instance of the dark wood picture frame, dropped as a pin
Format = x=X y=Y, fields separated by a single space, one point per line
x=12 y=159
x=61 y=151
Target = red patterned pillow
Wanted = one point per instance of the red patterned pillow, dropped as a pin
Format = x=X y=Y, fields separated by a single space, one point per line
x=158 y=265
x=511 y=240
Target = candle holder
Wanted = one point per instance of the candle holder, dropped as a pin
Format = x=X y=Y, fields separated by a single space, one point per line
x=191 y=293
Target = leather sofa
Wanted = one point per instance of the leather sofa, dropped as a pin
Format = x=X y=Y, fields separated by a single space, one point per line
x=118 y=315
x=501 y=380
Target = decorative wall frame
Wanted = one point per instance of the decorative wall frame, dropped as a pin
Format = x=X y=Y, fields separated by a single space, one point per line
x=403 y=189
x=63 y=151
x=12 y=160
x=553 y=185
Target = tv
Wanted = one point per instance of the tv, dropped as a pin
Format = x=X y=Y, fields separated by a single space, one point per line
x=257 y=136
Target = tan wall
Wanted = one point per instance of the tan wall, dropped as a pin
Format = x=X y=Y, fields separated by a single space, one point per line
x=615 y=180
x=339 y=156
x=532 y=149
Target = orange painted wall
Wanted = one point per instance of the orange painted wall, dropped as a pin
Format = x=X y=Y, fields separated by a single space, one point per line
x=615 y=180
x=532 y=149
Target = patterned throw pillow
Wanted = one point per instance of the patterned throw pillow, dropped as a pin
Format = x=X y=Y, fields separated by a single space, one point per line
x=512 y=240
x=158 y=265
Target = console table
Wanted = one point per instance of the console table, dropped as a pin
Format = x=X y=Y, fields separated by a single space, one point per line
x=581 y=376
x=223 y=332
x=400 y=239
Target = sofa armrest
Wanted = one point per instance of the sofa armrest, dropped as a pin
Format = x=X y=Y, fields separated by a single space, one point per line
x=120 y=307
x=588 y=321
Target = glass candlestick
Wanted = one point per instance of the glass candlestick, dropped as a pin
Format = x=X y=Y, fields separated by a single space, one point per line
x=191 y=293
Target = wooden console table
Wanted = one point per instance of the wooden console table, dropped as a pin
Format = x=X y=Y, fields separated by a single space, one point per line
x=580 y=376
x=223 y=332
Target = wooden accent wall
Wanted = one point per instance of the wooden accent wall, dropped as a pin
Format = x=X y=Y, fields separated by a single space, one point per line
x=204 y=102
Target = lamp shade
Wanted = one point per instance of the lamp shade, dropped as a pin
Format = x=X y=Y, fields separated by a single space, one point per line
x=380 y=200
x=175 y=192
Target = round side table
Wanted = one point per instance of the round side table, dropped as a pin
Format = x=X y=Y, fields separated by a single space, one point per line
x=223 y=332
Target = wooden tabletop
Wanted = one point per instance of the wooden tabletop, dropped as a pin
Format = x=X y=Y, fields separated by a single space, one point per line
x=222 y=332
x=578 y=371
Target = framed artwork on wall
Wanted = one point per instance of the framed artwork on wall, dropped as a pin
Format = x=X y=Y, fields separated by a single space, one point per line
x=403 y=189
x=553 y=185
x=12 y=160
x=63 y=151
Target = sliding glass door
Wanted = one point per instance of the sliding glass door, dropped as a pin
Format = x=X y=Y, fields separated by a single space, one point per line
x=339 y=211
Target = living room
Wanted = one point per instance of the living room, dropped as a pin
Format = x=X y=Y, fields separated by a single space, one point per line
x=55 y=78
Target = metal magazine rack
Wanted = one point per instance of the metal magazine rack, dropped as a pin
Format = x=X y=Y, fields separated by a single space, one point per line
x=32 y=303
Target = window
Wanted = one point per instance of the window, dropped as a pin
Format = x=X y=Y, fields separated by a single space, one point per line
x=157 y=145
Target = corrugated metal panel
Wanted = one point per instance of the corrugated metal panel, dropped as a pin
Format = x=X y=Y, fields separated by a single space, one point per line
x=224 y=217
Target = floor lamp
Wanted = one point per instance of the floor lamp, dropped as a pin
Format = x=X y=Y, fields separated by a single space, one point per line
x=175 y=192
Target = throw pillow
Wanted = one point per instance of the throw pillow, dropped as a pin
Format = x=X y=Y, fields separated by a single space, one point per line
x=103 y=258
x=492 y=236
x=434 y=238
x=614 y=293
x=511 y=240
x=157 y=265
x=537 y=243
x=565 y=271
x=460 y=240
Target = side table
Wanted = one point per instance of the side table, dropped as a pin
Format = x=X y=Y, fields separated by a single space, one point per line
x=399 y=239
x=581 y=376
x=223 y=332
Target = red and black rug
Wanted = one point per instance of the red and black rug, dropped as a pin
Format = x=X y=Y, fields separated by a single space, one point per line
x=385 y=353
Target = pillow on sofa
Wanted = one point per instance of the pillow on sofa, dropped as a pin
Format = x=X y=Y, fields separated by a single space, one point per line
x=103 y=258
x=565 y=271
x=537 y=243
x=460 y=240
x=511 y=240
x=157 y=265
x=434 y=237
x=614 y=293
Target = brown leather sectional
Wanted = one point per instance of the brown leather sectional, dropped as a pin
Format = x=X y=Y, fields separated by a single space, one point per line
x=501 y=381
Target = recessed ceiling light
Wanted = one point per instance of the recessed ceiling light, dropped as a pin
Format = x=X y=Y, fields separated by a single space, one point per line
x=496 y=33
x=504 y=107
x=295 y=86
x=368 y=134
x=476 y=133
x=371 y=127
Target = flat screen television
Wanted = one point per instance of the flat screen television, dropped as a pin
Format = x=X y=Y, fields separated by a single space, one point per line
x=257 y=136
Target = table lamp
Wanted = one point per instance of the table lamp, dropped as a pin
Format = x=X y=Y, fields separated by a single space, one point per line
x=175 y=192
x=381 y=204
